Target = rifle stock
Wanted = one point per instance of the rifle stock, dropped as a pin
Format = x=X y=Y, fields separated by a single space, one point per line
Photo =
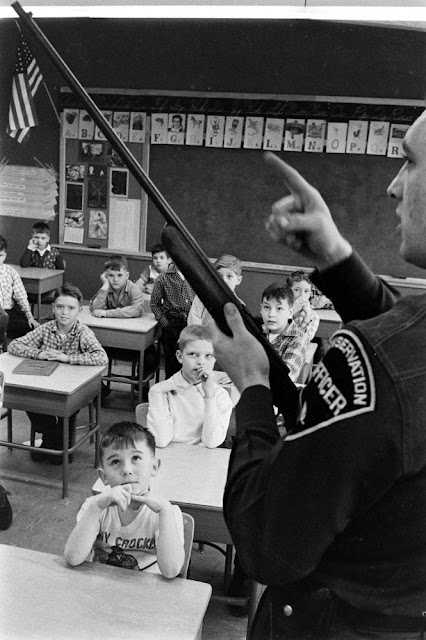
x=183 y=248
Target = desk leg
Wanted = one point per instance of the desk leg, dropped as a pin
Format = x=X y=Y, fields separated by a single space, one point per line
x=141 y=362
x=9 y=428
x=97 y=413
x=38 y=306
x=66 y=431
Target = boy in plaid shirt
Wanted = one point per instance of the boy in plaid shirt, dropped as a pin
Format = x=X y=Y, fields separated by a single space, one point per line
x=288 y=340
x=63 y=339
x=15 y=310
x=171 y=301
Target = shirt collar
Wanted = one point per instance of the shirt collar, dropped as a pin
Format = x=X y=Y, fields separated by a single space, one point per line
x=43 y=251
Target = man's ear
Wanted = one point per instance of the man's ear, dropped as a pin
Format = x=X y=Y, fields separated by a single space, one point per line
x=179 y=356
x=239 y=280
x=155 y=466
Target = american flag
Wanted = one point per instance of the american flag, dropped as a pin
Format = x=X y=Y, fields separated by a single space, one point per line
x=27 y=78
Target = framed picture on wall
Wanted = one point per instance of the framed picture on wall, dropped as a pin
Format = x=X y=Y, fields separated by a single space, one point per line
x=96 y=194
x=74 y=196
x=119 y=183
x=93 y=151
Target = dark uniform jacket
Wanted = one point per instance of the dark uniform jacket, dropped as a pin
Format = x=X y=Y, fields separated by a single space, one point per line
x=342 y=498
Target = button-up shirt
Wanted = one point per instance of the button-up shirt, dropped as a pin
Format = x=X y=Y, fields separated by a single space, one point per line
x=291 y=347
x=171 y=297
x=80 y=344
x=125 y=303
x=12 y=290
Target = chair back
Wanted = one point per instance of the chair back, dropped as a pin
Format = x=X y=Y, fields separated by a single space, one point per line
x=188 y=539
x=141 y=412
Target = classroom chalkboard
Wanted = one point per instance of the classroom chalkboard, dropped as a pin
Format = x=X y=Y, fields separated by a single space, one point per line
x=224 y=197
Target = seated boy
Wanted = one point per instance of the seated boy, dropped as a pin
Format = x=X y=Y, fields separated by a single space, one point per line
x=39 y=253
x=118 y=296
x=171 y=301
x=190 y=407
x=127 y=525
x=13 y=300
x=303 y=314
x=160 y=263
x=63 y=339
x=288 y=340
x=229 y=268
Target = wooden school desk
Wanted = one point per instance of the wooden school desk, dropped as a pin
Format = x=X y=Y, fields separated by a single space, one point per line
x=194 y=477
x=43 y=597
x=330 y=321
x=125 y=333
x=39 y=281
x=68 y=389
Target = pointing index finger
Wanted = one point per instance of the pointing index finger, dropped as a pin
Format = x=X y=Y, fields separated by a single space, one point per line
x=297 y=185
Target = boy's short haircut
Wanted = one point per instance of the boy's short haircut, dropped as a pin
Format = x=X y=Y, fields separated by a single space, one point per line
x=193 y=332
x=159 y=248
x=277 y=291
x=41 y=227
x=3 y=243
x=229 y=262
x=68 y=289
x=298 y=276
x=116 y=263
x=123 y=435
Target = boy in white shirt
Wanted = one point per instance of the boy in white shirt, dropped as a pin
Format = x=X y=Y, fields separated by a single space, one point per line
x=127 y=525
x=190 y=407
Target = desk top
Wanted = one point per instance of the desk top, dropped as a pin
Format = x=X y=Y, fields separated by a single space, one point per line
x=94 y=600
x=139 y=325
x=66 y=378
x=36 y=273
x=190 y=474
x=329 y=315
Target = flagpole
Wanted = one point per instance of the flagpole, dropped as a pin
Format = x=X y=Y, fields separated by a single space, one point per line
x=52 y=103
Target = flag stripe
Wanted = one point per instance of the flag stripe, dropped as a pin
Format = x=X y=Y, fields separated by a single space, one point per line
x=27 y=79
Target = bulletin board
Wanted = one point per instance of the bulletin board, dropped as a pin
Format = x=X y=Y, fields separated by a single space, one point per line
x=101 y=205
x=223 y=192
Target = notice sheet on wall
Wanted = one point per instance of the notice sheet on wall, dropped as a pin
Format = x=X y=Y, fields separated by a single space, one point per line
x=124 y=224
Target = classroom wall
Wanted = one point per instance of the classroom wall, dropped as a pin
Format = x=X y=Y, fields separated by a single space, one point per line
x=271 y=57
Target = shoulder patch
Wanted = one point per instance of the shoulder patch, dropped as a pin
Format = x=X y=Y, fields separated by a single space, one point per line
x=342 y=386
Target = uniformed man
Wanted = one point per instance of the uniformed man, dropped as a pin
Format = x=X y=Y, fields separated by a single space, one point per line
x=333 y=517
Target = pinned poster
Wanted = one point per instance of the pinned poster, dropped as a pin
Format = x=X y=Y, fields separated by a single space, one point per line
x=293 y=136
x=159 y=128
x=137 y=131
x=215 y=131
x=357 y=136
x=233 y=132
x=336 y=137
x=378 y=138
x=86 y=126
x=176 y=128
x=195 y=129
x=98 y=133
x=274 y=131
x=315 y=136
x=253 y=132
x=397 y=134
x=70 y=123
x=120 y=124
